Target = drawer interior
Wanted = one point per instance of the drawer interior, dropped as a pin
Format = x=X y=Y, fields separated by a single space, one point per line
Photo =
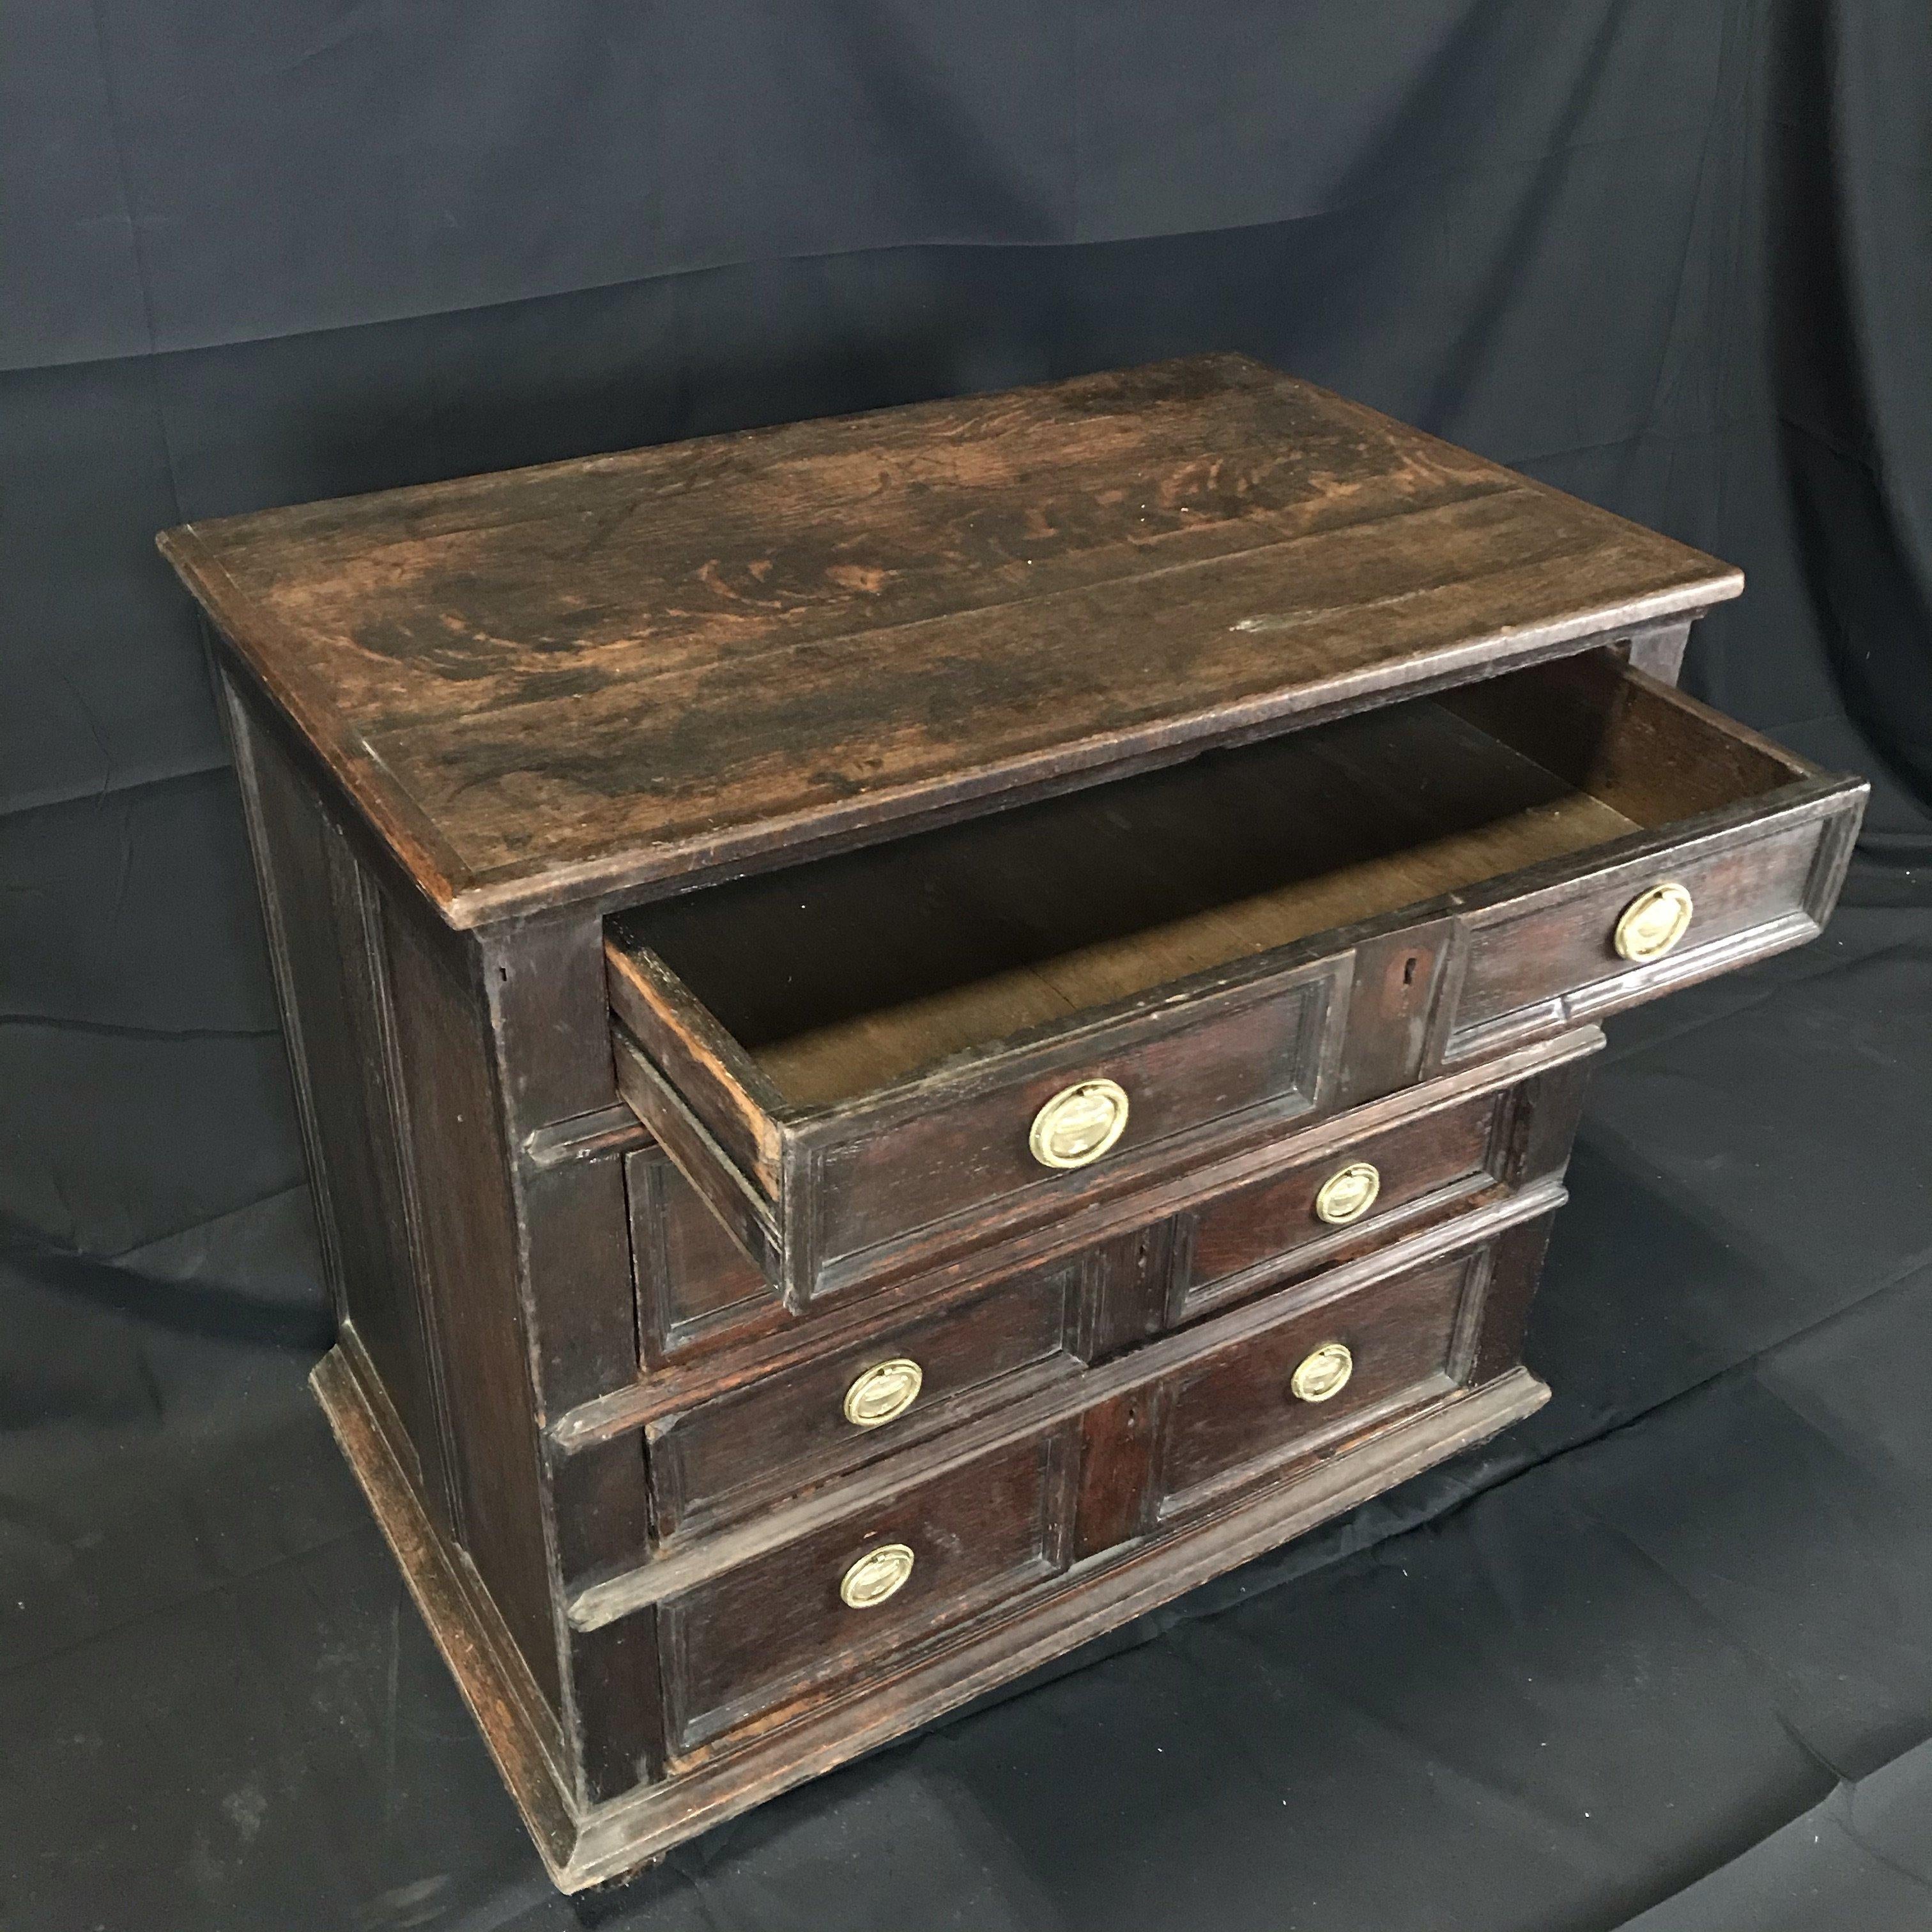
x=847 y=973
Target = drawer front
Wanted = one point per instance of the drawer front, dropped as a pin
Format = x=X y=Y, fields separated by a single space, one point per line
x=895 y=1182
x=857 y=1402
x=1358 y=1192
x=823 y=1609
x=1556 y=959
x=1269 y=1397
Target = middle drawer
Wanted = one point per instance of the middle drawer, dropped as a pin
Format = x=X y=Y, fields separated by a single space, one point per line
x=861 y=1400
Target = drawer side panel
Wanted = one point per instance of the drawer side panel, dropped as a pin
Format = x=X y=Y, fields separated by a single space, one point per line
x=693 y=1279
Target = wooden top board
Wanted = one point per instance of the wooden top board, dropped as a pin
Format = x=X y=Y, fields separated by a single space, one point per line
x=593 y=678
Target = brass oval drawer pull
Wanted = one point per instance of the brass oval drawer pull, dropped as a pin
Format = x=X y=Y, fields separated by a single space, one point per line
x=1652 y=923
x=1078 y=1124
x=1348 y=1193
x=1324 y=1372
x=878 y=1574
x=883 y=1392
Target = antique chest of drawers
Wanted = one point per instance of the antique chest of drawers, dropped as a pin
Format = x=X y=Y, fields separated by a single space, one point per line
x=915 y=1033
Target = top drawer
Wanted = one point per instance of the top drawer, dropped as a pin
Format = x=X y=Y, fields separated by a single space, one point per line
x=875 y=1061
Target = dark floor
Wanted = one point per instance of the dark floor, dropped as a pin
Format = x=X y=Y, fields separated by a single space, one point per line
x=1660 y=1658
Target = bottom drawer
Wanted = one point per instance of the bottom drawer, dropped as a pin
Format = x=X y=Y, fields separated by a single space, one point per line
x=1138 y=1449
x=815 y=1611
x=1260 y=1399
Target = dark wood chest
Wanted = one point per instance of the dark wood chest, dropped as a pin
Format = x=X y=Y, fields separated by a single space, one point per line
x=916 y=1032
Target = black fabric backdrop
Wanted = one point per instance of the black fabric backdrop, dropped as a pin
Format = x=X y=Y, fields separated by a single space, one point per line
x=1659 y=1657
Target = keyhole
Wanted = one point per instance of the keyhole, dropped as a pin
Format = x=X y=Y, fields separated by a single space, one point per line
x=1408 y=971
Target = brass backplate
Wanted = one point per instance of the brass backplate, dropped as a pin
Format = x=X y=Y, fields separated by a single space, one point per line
x=883 y=1392
x=878 y=1574
x=1078 y=1124
x=1652 y=923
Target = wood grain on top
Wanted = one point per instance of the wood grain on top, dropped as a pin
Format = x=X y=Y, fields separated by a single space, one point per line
x=592 y=677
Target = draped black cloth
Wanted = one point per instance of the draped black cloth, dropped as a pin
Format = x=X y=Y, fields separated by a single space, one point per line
x=1657 y=1658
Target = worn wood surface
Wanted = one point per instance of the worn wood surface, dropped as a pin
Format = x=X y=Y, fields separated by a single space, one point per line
x=990 y=1530
x=1272 y=1223
x=597 y=675
x=604 y=1426
x=789 y=1430
x=902 y=956
x=659 y=1577
x=765 y=1631
x=1234 y=1411
x=590 y=1844
x=694 y=1281
x=319 y=929
x=480 y=1284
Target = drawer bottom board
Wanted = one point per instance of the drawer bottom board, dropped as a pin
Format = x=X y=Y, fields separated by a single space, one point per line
x=583 y=1846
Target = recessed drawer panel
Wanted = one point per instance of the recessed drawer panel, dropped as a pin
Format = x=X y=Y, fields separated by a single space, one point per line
x=856 y=1402
x=1263 y=1399
x=1253 y=1060
x=882 y=1187
x=875 y=1063
x=819 y=1611
x=1258 y=1233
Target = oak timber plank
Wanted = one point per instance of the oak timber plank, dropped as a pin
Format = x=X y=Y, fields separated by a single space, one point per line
x=691 y=770
x=603 y=675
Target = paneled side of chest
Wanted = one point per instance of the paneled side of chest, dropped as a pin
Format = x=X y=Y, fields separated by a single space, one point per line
x=465 y=1145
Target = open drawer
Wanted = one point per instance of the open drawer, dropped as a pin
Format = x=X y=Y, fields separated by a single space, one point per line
x=875 y=1061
